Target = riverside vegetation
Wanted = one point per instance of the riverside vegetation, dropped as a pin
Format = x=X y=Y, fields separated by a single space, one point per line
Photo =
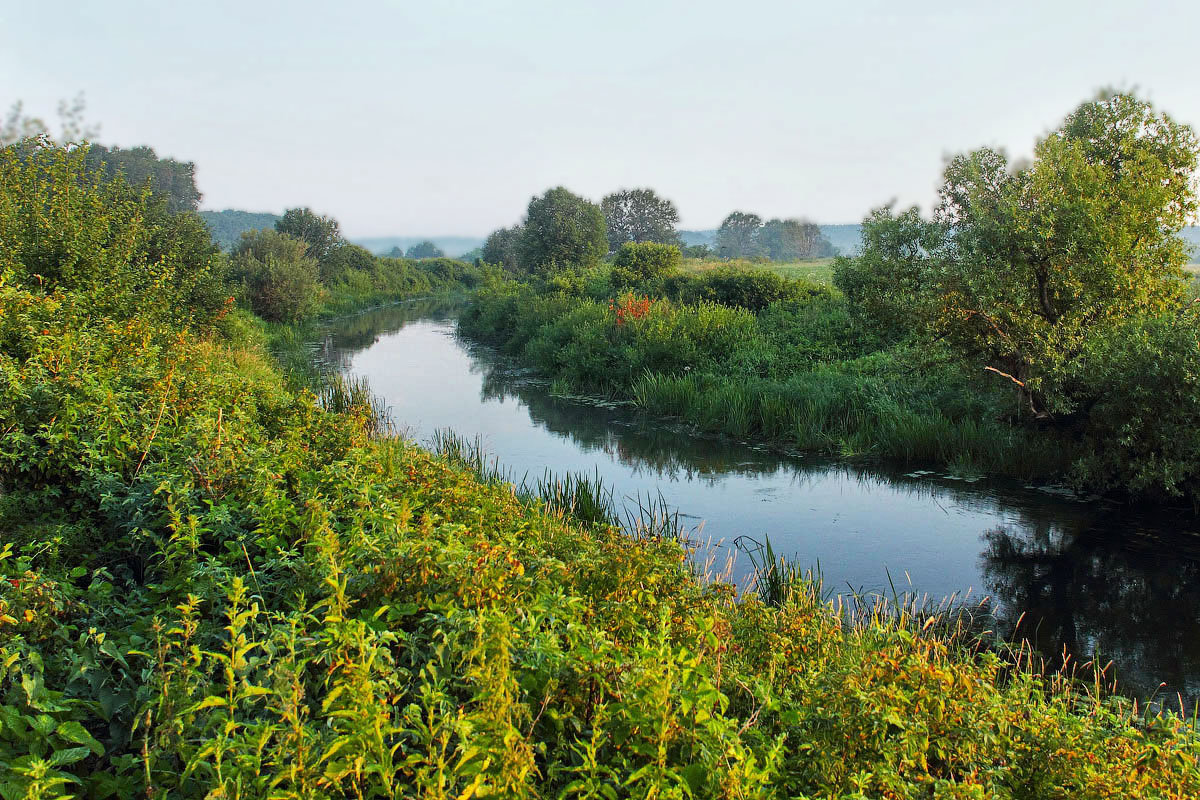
x=1040 y=325
x=217 y=583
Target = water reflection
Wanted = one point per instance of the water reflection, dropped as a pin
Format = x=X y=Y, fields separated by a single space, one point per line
x=1090 y=577
x=345 y=336
x=1116 y=593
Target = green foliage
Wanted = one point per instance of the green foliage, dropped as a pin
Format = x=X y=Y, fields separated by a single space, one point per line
x=345 y=260
x=1022 y=266
x=425 y=249
x=738 y=236
x=561 y=229
x=801 y=372
x=228 y=226
x=321 y=234
x=639 y=215
x=281 y=282
x=639 y=263
x=173 y=181
x=358 y=285
x=1143 y=432
x=502 y=248
x=65 y=230
x=1056 y=277
x=754 y=289
x=888 y=283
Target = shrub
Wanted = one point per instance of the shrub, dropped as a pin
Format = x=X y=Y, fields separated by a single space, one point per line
x=638 y=263
x=279 y=279
x=562 y=230
x=1143 y=423
x=345 y=259
x=753 y=289
x=67 y=229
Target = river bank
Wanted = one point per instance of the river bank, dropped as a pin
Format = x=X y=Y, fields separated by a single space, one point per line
x=1090 y=576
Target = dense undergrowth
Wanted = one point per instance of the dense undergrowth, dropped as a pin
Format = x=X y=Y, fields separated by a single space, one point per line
x=215 y=587
x=751 y=354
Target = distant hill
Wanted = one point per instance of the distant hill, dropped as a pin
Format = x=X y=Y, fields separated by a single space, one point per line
x=227 y=226
x=691 y=238
x=453 y=246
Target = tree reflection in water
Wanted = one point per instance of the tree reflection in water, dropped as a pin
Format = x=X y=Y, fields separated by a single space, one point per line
x=339 y=339
x=1126 y=596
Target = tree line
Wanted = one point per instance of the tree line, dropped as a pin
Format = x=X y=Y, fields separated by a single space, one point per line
x=561 y=228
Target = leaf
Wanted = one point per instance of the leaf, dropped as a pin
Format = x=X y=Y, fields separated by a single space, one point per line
x=72 y=731
x=209 y=702
x=694 y=774
x=62 y=758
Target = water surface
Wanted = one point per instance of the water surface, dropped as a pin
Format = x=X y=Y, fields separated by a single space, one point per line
x=1086 y=575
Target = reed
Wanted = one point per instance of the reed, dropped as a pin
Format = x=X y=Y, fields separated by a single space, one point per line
x=352 y=395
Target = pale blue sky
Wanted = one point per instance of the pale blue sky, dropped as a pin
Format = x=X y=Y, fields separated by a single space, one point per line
x=444 y=116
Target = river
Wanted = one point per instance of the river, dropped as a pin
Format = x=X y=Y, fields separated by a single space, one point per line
x=1087 y=575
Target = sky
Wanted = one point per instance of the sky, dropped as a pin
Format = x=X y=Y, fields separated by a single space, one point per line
x=445 y=117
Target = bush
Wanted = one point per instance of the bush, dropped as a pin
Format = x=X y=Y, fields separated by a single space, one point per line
x=561 y=231
x=753 y=289
x=345 y=259
x=280 y=281
x=66 y=229
x=1143 y=427
x=638 y=263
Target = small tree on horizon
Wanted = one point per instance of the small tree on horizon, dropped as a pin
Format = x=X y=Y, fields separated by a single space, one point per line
x=425 y=249
x=738 y=236
x=792 y=239
x=322 y=234
x=639 y=215
x=563 y=229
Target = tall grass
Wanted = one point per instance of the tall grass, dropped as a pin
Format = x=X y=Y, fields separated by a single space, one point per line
x=798 y=373
x=469 y=454
x=584 y=499
x=844 y=415
x=652 y=517
x=344 y=394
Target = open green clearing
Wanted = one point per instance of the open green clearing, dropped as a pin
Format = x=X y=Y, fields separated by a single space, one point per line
x=816 y=270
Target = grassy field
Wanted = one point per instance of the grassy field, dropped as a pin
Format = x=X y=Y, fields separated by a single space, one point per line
x=817 y=270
